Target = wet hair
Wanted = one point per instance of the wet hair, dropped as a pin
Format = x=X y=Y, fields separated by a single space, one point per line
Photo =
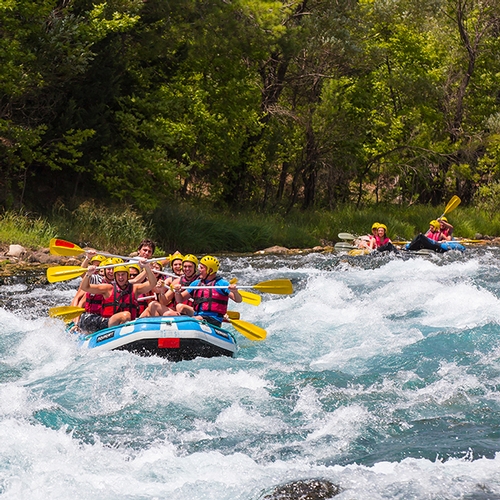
x=148 y=243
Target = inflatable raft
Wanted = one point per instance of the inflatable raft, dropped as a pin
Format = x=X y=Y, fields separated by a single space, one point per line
x=421 y=242
x=175 y=338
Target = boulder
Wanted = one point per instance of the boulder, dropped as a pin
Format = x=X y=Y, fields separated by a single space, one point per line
x=16 y=251
x=308 y=489
x=43 y=258
x=274 y=249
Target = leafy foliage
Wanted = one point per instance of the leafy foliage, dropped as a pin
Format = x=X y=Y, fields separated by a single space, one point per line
x=260 y=104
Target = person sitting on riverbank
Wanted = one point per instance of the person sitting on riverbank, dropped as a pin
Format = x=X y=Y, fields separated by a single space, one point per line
x=119 y=303
x=209 y=304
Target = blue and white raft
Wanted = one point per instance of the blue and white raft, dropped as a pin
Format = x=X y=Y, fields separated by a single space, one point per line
x=421 y=242
x=176 y=338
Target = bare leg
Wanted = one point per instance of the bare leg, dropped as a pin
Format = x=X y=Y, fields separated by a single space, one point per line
x=184 y=310
x=119 y=318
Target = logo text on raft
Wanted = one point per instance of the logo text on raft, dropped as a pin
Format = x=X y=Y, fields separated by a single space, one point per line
x=106 y=336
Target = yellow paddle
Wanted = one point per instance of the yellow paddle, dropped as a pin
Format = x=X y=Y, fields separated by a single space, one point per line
x=64 y=273
x=249 y=330
x=359 y=251
x=68 y=249
x=250 y=298
x=279 y=286
x=70 y=312
x=452 y=204
x=65 y=312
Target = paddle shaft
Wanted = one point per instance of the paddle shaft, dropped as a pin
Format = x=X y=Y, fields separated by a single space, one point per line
x=82 y=270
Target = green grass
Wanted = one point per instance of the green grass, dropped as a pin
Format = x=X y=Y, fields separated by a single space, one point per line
x=25 y=229
x=202 y=229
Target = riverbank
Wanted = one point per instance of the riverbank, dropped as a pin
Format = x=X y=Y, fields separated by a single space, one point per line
x=15 y=257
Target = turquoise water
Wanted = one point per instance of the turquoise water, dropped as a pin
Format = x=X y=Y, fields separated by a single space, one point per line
x=380 y=374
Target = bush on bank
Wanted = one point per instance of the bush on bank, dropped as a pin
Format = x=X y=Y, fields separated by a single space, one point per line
x=202 y=229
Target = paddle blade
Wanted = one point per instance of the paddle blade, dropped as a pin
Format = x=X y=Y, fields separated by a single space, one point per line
x=281 y=286
x=452 y=204
x=250 y=298
x=64 y=273
x=66 y=313
x=249 y=330
x=233 y=314
x=64 y=248
x=359 y=251
x=343 y=246
x=346 y=236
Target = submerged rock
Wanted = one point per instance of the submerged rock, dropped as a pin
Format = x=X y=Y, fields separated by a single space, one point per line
x=308 y=489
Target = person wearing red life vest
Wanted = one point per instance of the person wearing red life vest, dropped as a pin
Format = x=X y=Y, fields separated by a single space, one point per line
x=382 y=242
x=445 y=228
x=433 y=233
x=166 y=304
x=209 y=304
x=368 y=241
x=119 y=298
x=93 y=259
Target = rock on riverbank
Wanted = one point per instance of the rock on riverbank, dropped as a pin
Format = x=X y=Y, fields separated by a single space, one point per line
x=16 y=257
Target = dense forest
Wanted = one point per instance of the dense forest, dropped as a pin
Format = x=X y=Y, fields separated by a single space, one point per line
x=262 y=104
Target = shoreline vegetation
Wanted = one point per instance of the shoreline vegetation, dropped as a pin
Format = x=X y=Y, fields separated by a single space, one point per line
x=200 y=230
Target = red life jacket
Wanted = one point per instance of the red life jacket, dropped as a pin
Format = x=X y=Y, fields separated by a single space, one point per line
x=93 y=303
x=210 y=299
x=143 y=304
x=436 y=236
x=184 y=282
x=379 y=242
x=121 y=300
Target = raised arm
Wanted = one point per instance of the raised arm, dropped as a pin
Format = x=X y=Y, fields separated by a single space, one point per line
x=102 y=289
x=151 y=281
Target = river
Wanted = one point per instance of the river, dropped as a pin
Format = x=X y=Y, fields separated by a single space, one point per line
x=380 y=374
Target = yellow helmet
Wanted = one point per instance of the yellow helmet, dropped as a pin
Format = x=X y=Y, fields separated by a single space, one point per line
x=99 y=258
x=434 y=223
x=190 y=258
x=383 y=226
x=111 y=260
x=135 y=266
x=375 y=225
x=175 y=256
x=211 y=263
x=444 y=218
x=123 y=268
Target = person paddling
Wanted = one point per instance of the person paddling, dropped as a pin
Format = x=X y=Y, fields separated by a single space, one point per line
x=119 y=303
x=209 y=304
x=445 y=228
